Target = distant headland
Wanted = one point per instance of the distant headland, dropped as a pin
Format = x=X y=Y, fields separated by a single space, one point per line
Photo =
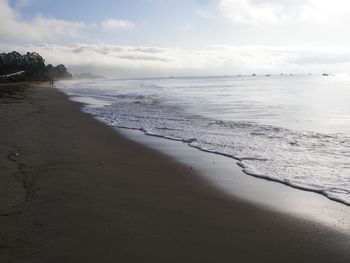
x=84 y=75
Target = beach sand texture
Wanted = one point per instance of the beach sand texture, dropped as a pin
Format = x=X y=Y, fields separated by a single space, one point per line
x=74 y=190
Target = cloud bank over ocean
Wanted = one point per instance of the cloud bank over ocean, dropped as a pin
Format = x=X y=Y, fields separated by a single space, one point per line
x=133 y=61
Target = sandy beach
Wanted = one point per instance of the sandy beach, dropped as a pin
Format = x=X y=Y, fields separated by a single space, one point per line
x=74 y=190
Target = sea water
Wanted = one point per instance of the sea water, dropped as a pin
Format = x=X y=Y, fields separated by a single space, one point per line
x=294 y=129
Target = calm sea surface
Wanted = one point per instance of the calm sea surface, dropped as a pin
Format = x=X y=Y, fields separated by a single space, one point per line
x=291 y=129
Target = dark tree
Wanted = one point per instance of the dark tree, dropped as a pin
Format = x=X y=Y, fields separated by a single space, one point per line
x=58 y=72
x=33 y=66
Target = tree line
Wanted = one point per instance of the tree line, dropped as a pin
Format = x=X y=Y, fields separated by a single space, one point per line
x=33 y=66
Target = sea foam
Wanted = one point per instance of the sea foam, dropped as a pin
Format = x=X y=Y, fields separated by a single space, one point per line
x=306 y=160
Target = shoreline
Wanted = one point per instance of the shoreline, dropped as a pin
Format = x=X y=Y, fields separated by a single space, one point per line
x=85 y=193
x=225 y=174
x=301 y=157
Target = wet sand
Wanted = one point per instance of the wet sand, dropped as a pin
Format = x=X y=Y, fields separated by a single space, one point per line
x=224 y=173
x=74 y=190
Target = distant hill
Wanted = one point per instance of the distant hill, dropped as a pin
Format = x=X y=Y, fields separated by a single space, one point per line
x=87 y=76
x=29 y=67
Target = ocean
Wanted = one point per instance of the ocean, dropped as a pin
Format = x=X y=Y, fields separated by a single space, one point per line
x=294 y=129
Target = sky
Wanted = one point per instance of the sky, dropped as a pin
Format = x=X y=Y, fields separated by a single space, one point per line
x=157 y=38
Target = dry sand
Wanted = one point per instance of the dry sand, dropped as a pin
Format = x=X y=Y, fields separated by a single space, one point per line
x=74 y=190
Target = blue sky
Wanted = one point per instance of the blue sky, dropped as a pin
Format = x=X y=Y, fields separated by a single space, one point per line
x=194 y=37
x=156 y=22
x=195 y=23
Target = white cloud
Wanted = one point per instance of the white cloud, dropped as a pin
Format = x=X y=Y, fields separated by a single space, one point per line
x=132 y=61
x=257 y=12
x=203 y=14
x=187 y=27
x=249 y=12
x=112 y=24
x=325 y=12
x=14 y=28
